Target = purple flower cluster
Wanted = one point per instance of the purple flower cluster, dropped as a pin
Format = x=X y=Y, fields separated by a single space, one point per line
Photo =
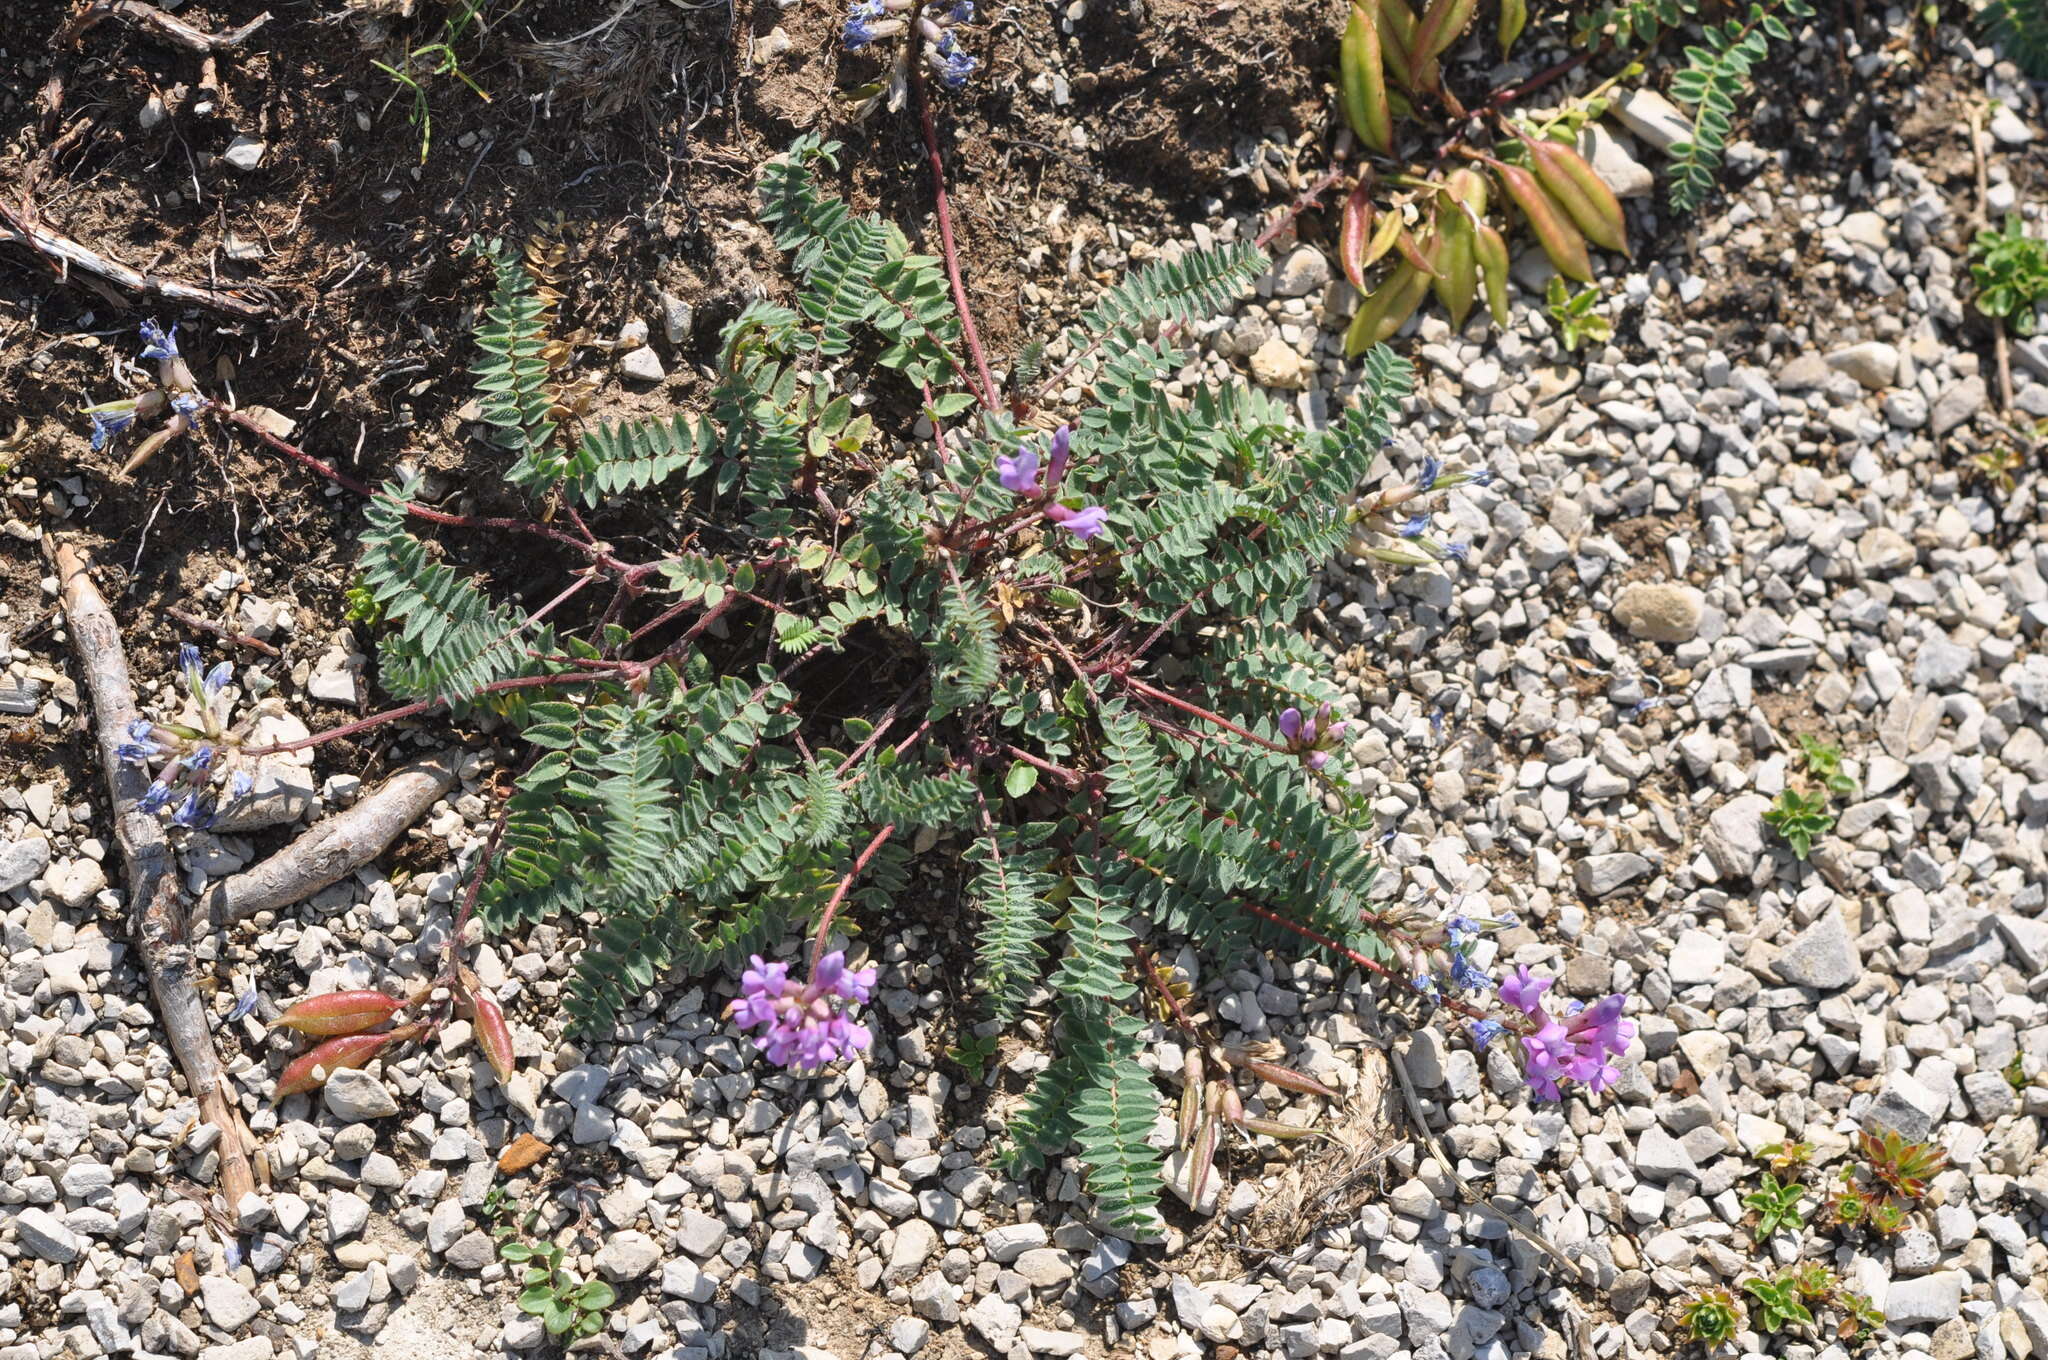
x=873 y=21
x=1576 y=1048
x=805 y=1027
x=1311 y=738
x=1018 y=473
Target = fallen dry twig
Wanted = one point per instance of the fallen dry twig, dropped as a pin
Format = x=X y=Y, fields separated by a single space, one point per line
x=333 y=848
x=156 y=918
x=167 y=26
x=65 y=254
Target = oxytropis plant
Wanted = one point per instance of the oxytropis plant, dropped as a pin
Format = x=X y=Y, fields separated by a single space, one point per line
x=1051 y=653
x=907 y=32
x=196 y=755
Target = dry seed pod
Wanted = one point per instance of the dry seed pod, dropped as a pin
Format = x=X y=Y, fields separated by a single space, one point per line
x=338 y=1013
x=1363 y=83
x=1572 y=182
x=1555 y=232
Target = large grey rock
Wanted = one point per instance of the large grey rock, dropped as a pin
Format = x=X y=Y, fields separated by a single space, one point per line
x=1929 y=1298
x=628 y=1256
x=1823 y=956
x=354 y=1095
x=1614 y=163
x=1874 y=363
x=1600 y=875
x=44 y=1236
x=1905 y=1106
x=1659 y=1156
x=1734 y=838
x=1660 y=611
x=229 y=1306
x=1302 y=271
x=1653 y=118
x=1941 y=664
x=22 y=860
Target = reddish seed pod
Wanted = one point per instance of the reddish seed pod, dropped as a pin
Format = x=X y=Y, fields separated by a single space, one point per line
x=493 y=1035
x=1287 y=1078
x=1357 y=230
x=339 y=1013
x=311 y=1069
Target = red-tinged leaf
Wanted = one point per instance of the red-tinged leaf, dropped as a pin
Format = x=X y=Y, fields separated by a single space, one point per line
x=1357 y=230
x=339 y=1013
x=1423 y=259
x=493 y=1035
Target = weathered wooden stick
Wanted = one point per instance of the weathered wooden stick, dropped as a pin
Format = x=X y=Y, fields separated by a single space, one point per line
x=65 y=254
x=156 y=918
x=331 y=849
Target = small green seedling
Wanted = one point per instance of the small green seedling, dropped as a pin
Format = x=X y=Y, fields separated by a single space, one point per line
x=1824 y=762
x=2011 y=271
x=1800 y=817
x=437 y=58
x=1780 y=1302
x=974 y=1053
x=1711 y=1317
x=566 y=1305
x=1576 y=320
x=1777 y=1206
x=1785 y=1157
x=2015 y=1073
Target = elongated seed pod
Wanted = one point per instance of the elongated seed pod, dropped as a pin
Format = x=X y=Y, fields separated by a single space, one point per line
x=1441 y=25
x=1490 y=253
x=1397 y=28
x=311 y=1069
x=1355 y=235
x=1415 y=252
x=1286 y=1078
x=1456 y=284
x=1386 y=309
x=1573 y=182
x=1273 y=1128
x=1383 y=238
x=1560 y=238
x=1514 y=17
x=338 y=1013
x=1362 y=83
x=493 y=1035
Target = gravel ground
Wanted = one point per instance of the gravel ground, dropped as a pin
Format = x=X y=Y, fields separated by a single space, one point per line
x=1690 y=557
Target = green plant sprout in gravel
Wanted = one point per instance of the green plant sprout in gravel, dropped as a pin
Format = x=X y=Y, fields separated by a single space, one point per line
x=1823 y=761
x=1711 y=1317
x=571 y=1308
x=1573 y=314
x=438 y=58
x=1799 y=819
x=1777 y=1207
x=835 y=654
x=2010 y=269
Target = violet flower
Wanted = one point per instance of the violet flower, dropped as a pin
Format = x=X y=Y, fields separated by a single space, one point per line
x=803 y=1024
x=1019 y=472
x=1056 y=459
x=157 y=343
x=1084 y=524
x=1574 y=1049
x=1310 y=738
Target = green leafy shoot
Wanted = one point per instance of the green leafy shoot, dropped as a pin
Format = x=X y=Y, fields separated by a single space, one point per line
x=1902 y=1167
x=1782 y=1308
x=567 y=1305
x=1573 y=313
x=1712 y=1317
x=1860 y=1315
x=2010 y=269
x=1785 y=1157
x=1715 y=78
x=430 y=61
x=2020 y=29
x=1799 y=818
x=1777 y=1206
x=1812 y=1279
x=973 y=1053
x=2015 y=1072
x=359 y=604
x=1824 y=762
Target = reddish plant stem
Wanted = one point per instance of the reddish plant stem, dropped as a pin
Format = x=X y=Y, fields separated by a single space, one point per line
x=413 y=508
x=476 y=884
x=1133 y=683
x=860 y=865
x=254 y=644
x=413 y=710
x=990 y=397
x=1073 y=779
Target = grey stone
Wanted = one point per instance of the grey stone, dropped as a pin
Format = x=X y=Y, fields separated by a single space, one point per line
x=472 y=1251
x=1930 y=1298
x=2026 y=941
x=1613 y=162
x=628 y=1256
x=1696 y=957
x=1734 y=837
x=1874 y=363
x=354 y=1095
x=347 y=1215
x=1660 y=1157
x=22 y=860
x=244 y=153
x=249 y=1348
x=1823 y=956
x=45 y=1237
x=996 y=1319
x=681 y=1279
x=642 y=365
x=700 y=1234
x=1941 y=664
x=1600 y=875
x=1906 y=1107
x=1653 y=118
x=1302 y=271
x=1957 y=405
x=229 y=1306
